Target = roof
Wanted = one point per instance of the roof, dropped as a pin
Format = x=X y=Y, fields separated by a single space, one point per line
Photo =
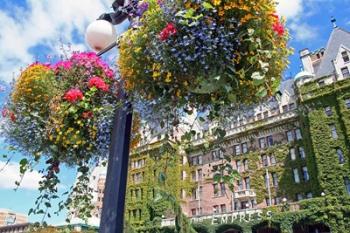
x=338 y=38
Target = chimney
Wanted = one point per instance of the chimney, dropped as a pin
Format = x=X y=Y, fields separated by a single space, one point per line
x=305 y=57
x=334 y=22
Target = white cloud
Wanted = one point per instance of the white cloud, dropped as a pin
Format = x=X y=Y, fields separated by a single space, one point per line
x=43 y=23
x=303 y=31
x=296 y=12
x=10 y=174
x=290 y=8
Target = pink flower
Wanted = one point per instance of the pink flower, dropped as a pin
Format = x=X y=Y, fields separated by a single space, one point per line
x=73 y=95
x=168 y=31
x=278 y=28
x=109 y=73
x=63 y=64
x=5 y=112
x=98 y=83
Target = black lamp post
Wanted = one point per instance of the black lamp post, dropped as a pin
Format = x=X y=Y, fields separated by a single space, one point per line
x=100 y=37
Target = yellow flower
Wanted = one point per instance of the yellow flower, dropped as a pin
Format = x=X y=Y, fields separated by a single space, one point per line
x=168 y=76
x=216 y=2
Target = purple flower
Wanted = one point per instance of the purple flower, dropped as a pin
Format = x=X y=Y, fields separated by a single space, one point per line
x=142 y=8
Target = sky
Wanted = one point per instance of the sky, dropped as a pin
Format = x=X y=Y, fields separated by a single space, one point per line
x=33 y=30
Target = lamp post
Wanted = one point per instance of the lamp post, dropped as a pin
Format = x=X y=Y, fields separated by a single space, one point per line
x=101 y=37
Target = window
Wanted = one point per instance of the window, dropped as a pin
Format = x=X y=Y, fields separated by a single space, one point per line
x=199 y=174
x=217 y=154
x=328 y=111
x=200 y=159
x=298 y=134
x=223 y=208
x=274 y=179
x=219 y=189
x=197 y=160
x=345 y=56
x=259 y=116
x=347 y=184
x=222 y=189
x=264 y=160
x=306 y=176
x=296 y=175
x=321 y=83
x=347 y=103
x=290 y=136
x=246 y=164
x=262 y=143
x=345 y=72
x=340 y=156
x=292 y=153
x=194 y=194
x=285 y=108
x=309 y=195
x=302 y=152
x=240 y=185
x=216 y=209
x=269 y=140
x=299 y=197
x=291 y=106
x=273 y=160
x=216 y=190
x=247 y=183
x=245 y=148
x=238 y=165
x=266 y=114
x=237 y=149
x=193 y=175
x=194 y=212
x=333 y=131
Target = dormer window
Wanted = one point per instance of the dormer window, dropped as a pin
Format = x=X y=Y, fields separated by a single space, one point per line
x=345 y=72
x=321 y=83
x=345 y=56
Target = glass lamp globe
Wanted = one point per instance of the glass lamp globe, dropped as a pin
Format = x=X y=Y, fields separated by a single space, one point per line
x=100 y=34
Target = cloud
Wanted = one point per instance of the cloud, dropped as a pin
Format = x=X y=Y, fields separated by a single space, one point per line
x=9 y=174
x=303 y=31
x=290 y=8
x=37 y=27
x=296 y=12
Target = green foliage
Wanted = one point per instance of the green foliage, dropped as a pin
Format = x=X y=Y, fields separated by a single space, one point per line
x=161 y=187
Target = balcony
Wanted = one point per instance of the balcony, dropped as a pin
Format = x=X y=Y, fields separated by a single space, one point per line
x=244 y=194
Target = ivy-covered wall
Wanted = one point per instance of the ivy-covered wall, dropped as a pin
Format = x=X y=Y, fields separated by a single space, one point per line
x=318 y=123
x=161 y=172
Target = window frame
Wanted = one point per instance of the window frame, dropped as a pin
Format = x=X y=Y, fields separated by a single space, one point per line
x=345 y=74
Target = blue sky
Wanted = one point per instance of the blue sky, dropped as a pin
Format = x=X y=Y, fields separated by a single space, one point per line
x=31 y=29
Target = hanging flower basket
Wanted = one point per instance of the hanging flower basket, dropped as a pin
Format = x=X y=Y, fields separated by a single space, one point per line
x=64 y=114
x=204 y=52
x=64 y=111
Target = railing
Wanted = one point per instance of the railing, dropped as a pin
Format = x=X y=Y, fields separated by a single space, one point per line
x=244 y=193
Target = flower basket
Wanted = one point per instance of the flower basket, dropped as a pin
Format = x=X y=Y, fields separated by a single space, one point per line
x=64 y=114
x=204 y=52
x=66 y=109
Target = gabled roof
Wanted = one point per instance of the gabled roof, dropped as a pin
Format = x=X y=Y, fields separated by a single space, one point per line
x=338 y=37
